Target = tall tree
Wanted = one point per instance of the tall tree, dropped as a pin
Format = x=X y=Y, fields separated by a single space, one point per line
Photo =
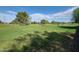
x=75 y=43
x=22 y=18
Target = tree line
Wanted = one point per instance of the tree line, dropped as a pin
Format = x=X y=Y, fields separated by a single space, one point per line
x=23 y=18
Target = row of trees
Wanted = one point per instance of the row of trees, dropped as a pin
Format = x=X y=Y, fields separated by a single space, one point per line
x=23 y=18
x=43 y=21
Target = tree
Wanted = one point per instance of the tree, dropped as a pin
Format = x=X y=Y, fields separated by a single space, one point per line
x=75 y=43
x=1 y=22
x=34 y=22
x=22 y=18
x=44 y=21
x=53 y=22
x=76 y=15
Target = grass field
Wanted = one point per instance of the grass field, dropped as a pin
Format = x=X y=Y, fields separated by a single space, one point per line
x=8 y=32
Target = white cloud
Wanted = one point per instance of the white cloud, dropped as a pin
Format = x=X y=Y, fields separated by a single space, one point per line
x=64 y=16
x=37 y=17
x=7 y=16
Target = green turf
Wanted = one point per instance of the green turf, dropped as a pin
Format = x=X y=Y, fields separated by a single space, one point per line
x=8 y=32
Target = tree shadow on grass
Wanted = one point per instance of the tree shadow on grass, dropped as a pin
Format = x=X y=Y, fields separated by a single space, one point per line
x=75 y=42
x=46 y=42
x=68 y=27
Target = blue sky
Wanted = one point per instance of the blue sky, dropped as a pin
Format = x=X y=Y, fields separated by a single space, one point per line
x=36 y=9
x=37 y=13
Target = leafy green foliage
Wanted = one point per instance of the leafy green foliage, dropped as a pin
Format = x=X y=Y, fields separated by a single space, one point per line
x=44 y=21
x=34 y=22
x=76 y=15
x=22 y=18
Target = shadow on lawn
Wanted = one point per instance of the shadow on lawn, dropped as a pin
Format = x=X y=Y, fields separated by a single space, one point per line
x=68 y=27
x=44 y=42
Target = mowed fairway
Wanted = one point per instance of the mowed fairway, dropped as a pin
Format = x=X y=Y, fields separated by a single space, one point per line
x=8 y=32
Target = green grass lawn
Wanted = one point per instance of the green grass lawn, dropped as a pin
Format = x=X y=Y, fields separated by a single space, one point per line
x=8 y=32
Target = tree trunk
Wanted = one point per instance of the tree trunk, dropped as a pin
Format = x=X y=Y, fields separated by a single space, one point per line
x=75 y=43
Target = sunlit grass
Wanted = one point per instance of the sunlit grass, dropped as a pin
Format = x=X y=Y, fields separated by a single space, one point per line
x=8 y=32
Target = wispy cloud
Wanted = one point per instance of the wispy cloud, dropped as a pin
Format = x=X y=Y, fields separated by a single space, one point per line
x=7 y=16
x=64 y=16
x=37 y=17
